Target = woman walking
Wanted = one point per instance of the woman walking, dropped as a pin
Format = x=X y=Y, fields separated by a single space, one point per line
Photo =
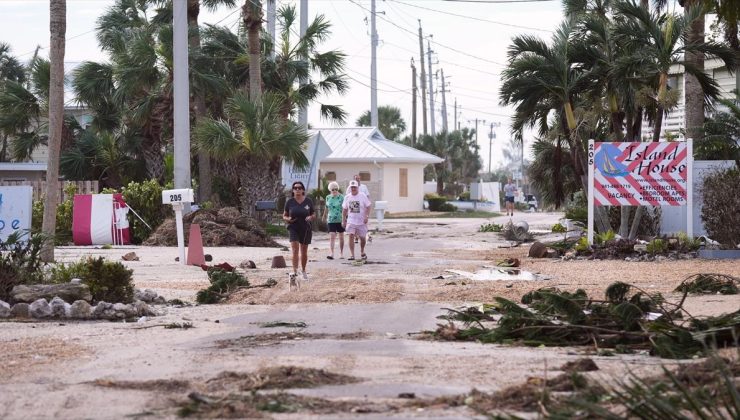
x=334 y=219
x=299 y=213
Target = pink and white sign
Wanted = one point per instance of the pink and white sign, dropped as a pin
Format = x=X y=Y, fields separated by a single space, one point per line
x=99 y=219
x=634 y=174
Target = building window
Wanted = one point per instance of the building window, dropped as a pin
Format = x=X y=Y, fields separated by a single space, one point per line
x=364 y=176
x=403 y=182
x=331 y=176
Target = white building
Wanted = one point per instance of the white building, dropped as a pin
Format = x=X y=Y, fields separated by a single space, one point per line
x=674 y=121
x=392 y=171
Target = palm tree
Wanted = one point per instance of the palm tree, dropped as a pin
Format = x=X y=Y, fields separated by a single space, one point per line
x=10 y=67
x=542 y=171
x=390 y=122
x=460 y=152
x=255 y=139
x=58 y=29
x=252 y=15
x=659 y=41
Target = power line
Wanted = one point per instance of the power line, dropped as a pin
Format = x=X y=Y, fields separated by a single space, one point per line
x=470 y=17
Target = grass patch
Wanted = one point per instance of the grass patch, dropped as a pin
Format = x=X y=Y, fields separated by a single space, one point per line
x=276 y=230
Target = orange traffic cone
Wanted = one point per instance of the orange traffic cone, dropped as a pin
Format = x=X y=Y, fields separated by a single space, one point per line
x=195 y=246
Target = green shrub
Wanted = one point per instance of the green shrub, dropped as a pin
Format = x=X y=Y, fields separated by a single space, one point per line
x=465 y=196
x=145 y=198
x=222 y=283
x=490 y=227
x=657 y=246
x=582 y=244
x=602 y=238
x=20 y=261
x=577 y=208
x=687 y=244
x=108 y=281
x=437 y=203
x=558 y=228
x=63 y=231
x=721 y=210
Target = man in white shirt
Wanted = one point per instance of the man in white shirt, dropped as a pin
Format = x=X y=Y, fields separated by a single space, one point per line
x=355 y=214
x=363 y=187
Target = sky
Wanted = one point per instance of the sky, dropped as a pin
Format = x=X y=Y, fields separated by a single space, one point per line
x=469 y=40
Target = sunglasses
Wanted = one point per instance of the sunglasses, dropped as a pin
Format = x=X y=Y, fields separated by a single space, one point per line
x=335 y=189
x=298 y=188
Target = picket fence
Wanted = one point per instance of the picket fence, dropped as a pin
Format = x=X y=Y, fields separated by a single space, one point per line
x=39 y=187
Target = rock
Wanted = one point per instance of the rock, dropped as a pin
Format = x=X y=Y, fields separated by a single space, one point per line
x=551 y=253
x=69 y=292
x=59 y=308
x=147 y=295
x=247 y=264
x=20 y=310
x=143 y=310
x=103 y=310
x=131 y=256
x=208 y=257
x=4 y=309
x=123 y=310
x=537 y=250
x=80 y=309
x=640 y=248
x=278 y=261
x=39 y=309
x=76 y=281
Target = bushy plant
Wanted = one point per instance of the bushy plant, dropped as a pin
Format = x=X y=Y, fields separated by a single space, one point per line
x=63 y=231
x=657 y=246
x=20 y=261
x=582 y=245
x=465 y=196
x=108 y=281
x=222 y=283
x=558 y=228
x=721 y=210
x=437 y=203
x=145 y=198
x=577 y=208
x=604 y=237
x=687 y=244
x=490 y=227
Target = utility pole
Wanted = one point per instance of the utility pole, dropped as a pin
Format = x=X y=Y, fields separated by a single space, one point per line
x=457 y=125
x=444 y=101
x=491 y=136
x=433 y=129
x=303 y=112
x=271 y=25
x=373 y=68
x=423 y=82
x=181 y=88
x=476 y=127
x=413 y=102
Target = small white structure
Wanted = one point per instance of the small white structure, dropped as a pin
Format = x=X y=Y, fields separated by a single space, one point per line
x=315 y=150
x=392 y=171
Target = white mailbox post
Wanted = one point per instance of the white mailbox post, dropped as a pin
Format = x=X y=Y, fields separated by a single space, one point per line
x=178 y=198
x=380 y=207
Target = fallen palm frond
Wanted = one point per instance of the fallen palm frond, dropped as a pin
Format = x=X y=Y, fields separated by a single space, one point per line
x=490 y=227
x=627 y=320
x=287 y=324
x=710 y=283
x=508 y=262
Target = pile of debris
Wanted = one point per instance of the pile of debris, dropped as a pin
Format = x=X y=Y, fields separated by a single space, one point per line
x=219 y=227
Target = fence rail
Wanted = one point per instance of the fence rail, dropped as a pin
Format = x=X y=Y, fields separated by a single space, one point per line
x=39 y=187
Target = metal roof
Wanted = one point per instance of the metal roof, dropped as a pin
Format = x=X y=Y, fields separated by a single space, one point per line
x=367 y=144
x=22 y=166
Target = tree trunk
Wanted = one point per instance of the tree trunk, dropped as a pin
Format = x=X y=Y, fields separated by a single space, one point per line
x=694 y=95
x=252 y=15
x=205 y=178
x=636 y=222
x=658 y=125
x=253 y=188
x=58 y=29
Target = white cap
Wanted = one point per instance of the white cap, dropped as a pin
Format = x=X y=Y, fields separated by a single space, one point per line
x=353 y=184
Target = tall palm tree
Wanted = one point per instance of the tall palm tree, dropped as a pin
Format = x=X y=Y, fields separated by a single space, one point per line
x=252 y=15
x=658 y=42
x=10 y=67
x=390 y=122
x=58 y=29
x=255 y=139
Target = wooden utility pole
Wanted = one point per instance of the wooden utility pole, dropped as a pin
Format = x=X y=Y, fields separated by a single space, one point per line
x=423 y=83
x=457 y=124
x=444 y=101
x=413 y=102
x=432 y=128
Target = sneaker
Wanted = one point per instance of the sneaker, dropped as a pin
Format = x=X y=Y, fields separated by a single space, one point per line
x=305 y=276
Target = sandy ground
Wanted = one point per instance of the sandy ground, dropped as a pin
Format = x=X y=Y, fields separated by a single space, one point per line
x=360 y=322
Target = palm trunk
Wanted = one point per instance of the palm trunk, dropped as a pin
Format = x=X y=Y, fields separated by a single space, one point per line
x=694 y=94
x=205 y=178
x=252 y=15
x=266 y=186
x=658 y=125
x=58 y=29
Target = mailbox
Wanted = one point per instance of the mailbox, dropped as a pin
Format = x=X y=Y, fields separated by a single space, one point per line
x=182 y=195
x=380 y=207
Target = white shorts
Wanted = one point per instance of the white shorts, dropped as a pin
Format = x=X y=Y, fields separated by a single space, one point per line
x=358 y=230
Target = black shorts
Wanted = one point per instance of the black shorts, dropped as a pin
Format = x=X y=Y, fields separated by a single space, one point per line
x=301 y=235
x=509 y=199
x=336 y=228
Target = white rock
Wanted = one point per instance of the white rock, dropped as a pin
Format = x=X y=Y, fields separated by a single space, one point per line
x=39 y=309
x=4 y=309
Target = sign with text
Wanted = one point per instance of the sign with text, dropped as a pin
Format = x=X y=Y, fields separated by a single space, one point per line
x=639 y=174
x=15 y=210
